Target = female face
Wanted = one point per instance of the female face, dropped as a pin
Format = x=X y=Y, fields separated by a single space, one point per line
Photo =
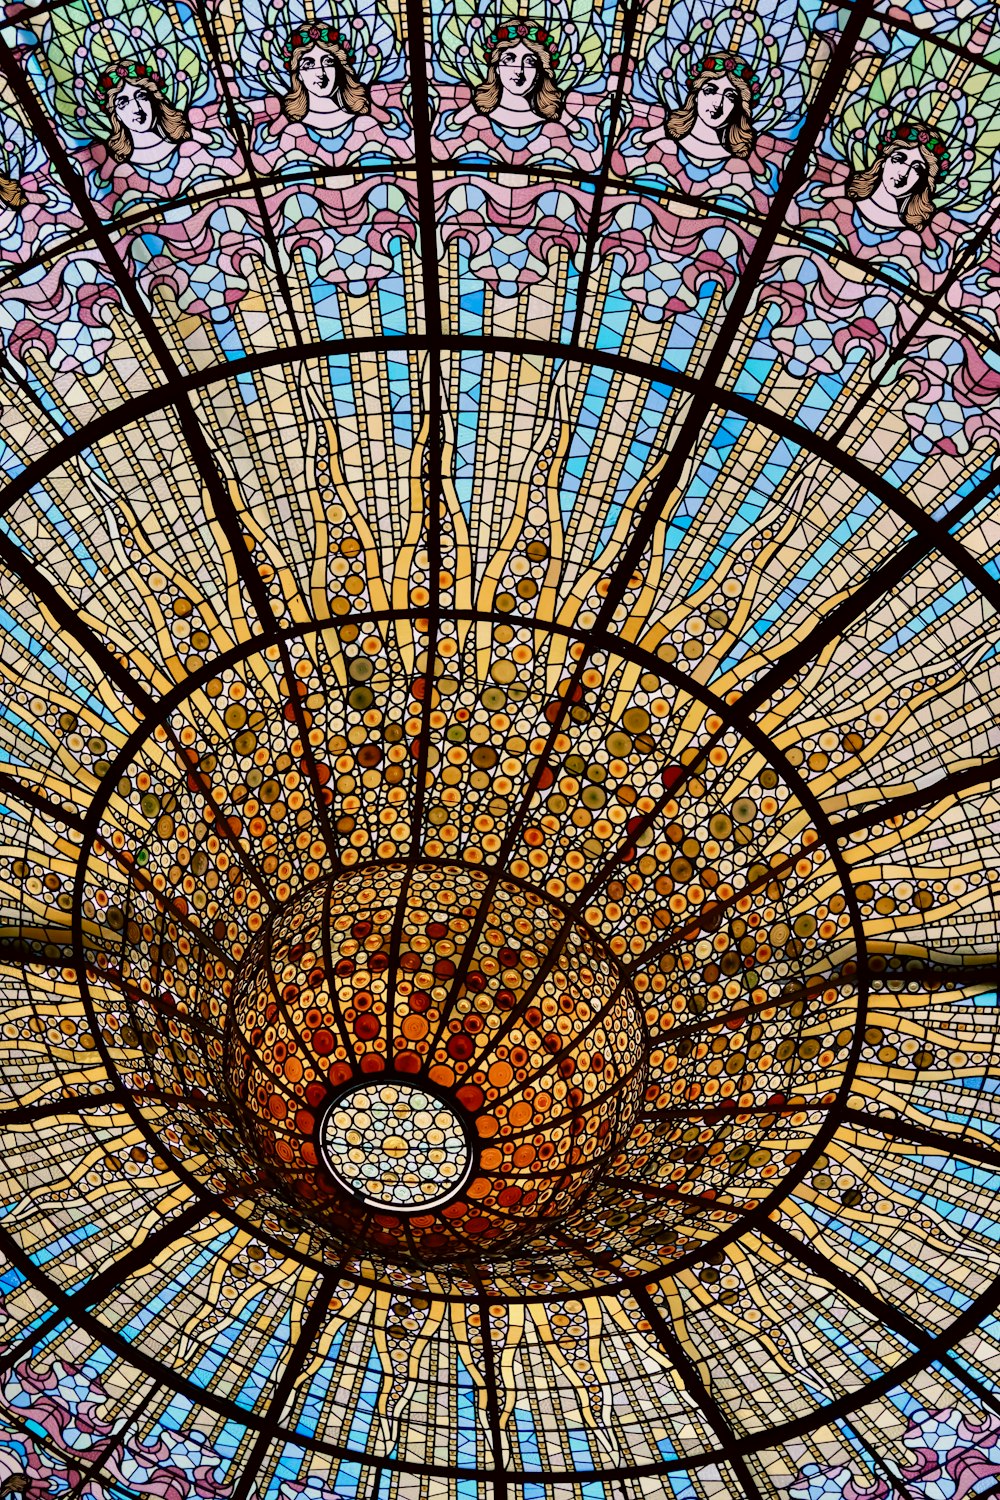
x=517 y=69
x=134 y=108
x=715 y=103
x=904 y=170
x=318 y=73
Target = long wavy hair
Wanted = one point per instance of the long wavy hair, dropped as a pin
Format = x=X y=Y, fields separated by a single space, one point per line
x=737 y=134
x=351 y=93
x=545 y=98
x=12 y=194
x=918 y=210
x=172 y=123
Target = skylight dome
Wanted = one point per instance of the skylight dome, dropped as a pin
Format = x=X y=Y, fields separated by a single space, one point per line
x=500 y=842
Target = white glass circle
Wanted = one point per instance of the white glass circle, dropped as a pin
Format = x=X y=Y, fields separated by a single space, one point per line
x=393 y=1145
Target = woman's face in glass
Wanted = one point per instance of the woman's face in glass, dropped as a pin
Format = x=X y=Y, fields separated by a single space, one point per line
x=517 y=68
x=715 y=103
x=134 y=108
x=903 y=171
x=318 y=72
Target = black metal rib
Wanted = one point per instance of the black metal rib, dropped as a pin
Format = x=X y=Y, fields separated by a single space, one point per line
x=38 y=802
x=74 y=1304
x=70 y=623
x=693 y=423
x=431 y=478
x=50 y=1109
x=949 y=1143
x=898 y=807
x=236 y=127
x=630 y=18
x=269 y=1431
x=798 y=237
x=114 y=1442
x=498 y=1479
x=880 y=582
x=884 y=1312
x=697 y=1390
x=896 y=1485
x=982 y=1306
x=775 y=422
x=190 y=425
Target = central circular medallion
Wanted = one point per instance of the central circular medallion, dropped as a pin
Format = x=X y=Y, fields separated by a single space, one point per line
x=394 y=1145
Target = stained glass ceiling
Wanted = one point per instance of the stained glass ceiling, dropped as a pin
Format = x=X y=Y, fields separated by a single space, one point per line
x=499 y=733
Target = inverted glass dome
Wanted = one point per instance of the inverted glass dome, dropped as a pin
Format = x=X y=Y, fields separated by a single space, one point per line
x=500 y=842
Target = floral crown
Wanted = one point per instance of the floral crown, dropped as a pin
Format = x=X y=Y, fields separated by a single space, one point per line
x=519 y=31
x=729 y=63
x=920 y=135
x=122 y=72
x=314 y=33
